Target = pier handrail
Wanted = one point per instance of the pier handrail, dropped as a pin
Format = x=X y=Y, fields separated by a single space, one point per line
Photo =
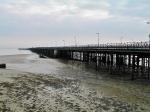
x=108 y=46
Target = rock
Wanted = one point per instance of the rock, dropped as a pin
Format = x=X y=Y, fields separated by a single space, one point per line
x=42 y=56
x=2 y=65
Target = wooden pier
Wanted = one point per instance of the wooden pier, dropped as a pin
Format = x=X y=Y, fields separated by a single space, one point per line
x=130 y=58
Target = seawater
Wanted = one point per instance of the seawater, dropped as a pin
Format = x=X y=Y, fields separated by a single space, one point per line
x=12 y=51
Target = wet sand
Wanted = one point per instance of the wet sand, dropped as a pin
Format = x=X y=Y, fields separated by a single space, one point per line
x=26 y=89
x=24 y=92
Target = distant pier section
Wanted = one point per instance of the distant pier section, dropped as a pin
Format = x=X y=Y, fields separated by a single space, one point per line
x=132 y=58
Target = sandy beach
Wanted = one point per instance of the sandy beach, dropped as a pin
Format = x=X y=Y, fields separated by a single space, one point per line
x=29 y=86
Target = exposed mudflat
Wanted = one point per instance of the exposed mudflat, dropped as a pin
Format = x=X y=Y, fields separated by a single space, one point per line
x=68 y=87
x=26 y=92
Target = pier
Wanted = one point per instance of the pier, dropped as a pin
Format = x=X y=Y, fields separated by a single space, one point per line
x=132 y=58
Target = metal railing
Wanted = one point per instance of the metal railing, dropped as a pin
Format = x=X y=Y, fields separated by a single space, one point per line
x=128 y=45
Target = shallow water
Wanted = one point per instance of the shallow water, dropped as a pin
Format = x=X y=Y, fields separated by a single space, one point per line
x=12 y=51
x=133 y=92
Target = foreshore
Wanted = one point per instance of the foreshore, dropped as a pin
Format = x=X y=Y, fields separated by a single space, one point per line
x=26 y=91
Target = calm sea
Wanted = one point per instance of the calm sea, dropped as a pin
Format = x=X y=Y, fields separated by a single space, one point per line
x=10 y=51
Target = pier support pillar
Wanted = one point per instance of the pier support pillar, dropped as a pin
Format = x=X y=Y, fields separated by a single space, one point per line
x=133 y=67
x=148 y=68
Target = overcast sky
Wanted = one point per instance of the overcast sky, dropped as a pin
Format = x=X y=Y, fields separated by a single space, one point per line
x=26 y=23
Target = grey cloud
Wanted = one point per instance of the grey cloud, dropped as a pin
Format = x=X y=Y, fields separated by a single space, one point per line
x=62 y=19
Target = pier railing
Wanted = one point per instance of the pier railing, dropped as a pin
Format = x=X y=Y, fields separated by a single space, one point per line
x=109 y=46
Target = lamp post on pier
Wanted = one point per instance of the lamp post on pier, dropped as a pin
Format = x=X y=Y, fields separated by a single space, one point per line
x=149 y=58
x=75 y=40
x=98 y=34
x=64 y=42
x=121 y=39
x=55 y=43
x=149 y=34
x=149 y=40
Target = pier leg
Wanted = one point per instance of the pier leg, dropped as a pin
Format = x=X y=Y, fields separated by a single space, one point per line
x=133 y=67
x=138 y=62
x=111 y=63
x=148 y=68
x=80 y=56
x=112 y=58
x=124 y=63
x=88 y=59
x=129 y=63
x=143 y=68
x=96 y=56
x=118 y=62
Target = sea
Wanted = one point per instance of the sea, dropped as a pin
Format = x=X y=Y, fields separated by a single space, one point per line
x=12 y=51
